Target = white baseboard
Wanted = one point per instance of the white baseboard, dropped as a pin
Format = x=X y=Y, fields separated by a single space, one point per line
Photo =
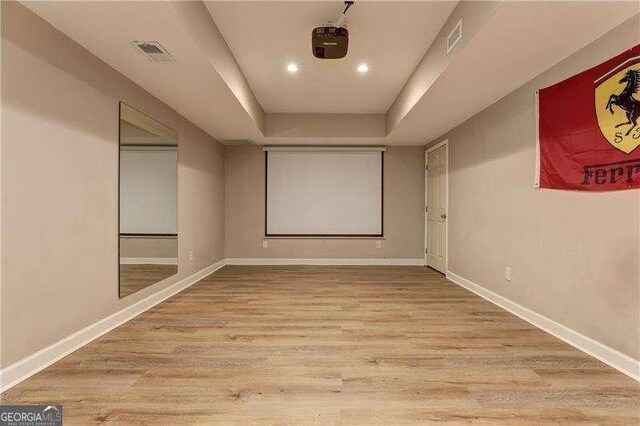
x=23 y=369
x=282 y=261
x=616 y=359
x=149 y=261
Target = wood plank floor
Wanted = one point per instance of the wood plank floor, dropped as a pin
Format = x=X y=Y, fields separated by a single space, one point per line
x=330 y=345
x=136 y=277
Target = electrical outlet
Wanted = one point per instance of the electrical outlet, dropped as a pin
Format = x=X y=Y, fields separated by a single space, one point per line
x=265 y=243
x=378 y=244
x=507 y=273
x=191 y=256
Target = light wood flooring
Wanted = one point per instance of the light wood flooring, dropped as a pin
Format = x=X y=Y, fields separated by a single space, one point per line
x=137 y=277
x=330 y=345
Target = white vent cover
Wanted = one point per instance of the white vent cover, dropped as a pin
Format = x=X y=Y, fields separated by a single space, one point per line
x=153 y=50
x=454 y=36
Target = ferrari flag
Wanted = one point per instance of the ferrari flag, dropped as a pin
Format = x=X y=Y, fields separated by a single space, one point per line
x=589 y=128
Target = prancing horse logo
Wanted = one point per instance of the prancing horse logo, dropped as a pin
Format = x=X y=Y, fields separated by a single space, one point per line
x=616 y=106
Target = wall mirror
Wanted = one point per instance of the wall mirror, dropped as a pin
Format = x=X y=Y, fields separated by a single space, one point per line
x=148 y=206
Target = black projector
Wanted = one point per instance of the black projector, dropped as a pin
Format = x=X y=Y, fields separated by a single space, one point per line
x=329 y=42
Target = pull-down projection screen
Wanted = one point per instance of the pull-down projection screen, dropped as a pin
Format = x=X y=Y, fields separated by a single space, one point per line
x=323 y=192
x=148 y=190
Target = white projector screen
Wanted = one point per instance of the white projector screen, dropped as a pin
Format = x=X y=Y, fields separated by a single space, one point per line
x=148 y=190
x=324 y=192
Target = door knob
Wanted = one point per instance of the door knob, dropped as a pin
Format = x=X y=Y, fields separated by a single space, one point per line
x=443 y=216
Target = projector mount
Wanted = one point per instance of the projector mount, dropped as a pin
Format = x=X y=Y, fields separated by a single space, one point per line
x=340 y=21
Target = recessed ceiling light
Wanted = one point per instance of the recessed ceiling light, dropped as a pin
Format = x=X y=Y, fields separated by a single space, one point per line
x=363 y=68
x=292 y=67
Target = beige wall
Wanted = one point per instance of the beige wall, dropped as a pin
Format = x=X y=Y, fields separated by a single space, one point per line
x=575 y=255
x=60 y=186
x=403 y=218
x=148 y=247
x=325 y=126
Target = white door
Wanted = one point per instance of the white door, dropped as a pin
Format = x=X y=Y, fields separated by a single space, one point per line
x=436 y=211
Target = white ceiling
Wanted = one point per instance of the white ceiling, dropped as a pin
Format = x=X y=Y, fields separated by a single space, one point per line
x=189 y=85
x=525 y=50
x=391 y=37
x=513 y=44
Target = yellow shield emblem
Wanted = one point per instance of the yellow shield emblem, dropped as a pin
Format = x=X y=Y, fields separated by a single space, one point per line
x=617 y=105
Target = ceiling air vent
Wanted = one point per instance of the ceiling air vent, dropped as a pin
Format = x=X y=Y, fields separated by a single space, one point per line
x=153 y=50
x=454 y=36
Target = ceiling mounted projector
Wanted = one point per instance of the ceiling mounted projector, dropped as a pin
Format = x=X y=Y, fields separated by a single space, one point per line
x=331 y=41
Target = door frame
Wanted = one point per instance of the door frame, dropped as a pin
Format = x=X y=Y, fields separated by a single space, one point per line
x=440 y=144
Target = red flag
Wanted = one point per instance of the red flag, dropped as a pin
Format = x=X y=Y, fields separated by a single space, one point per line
x=589 y=128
